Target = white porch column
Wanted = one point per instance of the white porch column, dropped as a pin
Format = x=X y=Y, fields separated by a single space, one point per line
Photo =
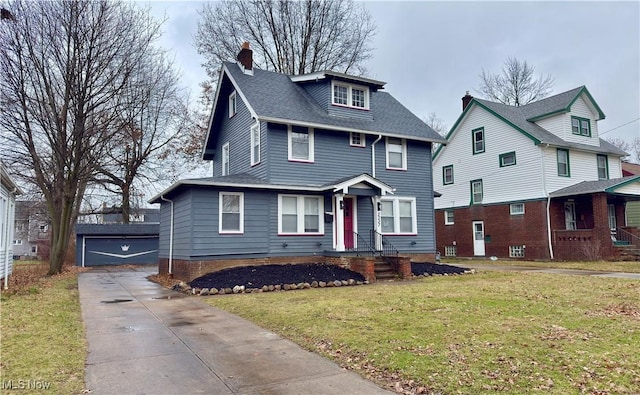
x=377 y=221
x=339 y=222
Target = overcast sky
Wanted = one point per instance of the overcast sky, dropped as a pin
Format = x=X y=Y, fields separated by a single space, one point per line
x=430 y=53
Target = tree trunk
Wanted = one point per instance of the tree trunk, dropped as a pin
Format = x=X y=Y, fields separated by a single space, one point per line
x=60 y=236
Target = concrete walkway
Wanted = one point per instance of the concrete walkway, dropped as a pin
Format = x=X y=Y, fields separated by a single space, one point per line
x=144 y=339
x=577 y=272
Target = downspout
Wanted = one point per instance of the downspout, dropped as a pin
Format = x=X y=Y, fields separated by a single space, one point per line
x=373 y=156
x=546 y=194
x=170 y=236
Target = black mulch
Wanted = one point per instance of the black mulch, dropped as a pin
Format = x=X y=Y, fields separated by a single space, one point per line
x=258 y=276
x=430 y=269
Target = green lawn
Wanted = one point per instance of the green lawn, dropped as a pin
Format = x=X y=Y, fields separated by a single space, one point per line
x=43 y=344
x=483 y=333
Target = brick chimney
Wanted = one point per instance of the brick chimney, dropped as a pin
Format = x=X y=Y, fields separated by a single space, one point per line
x=466 y=100
x=245 y=56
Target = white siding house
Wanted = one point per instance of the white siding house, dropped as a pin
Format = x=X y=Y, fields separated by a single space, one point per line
x=8 y=192
x=515 y=179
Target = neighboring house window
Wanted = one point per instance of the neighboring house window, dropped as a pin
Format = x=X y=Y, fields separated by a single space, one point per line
x=516 y=251
x=34 y=249
x=563 y=163
x=299 y=214
x=447 y=175
x=516 y=208
x=581 y=126
x=255 y=144
x=233 y=104
x=398 y=216
x=448 y=217
x=350 y=95
x=396 y=153
x=136 y=217
x=300 y=144
x=44 y=228
x=231 y=215
x=225 y=159
x=17 y=242
x=478 y=140
x=508 y=159
x=357 y=139
x=603 y=167
x=476 y=191
x=450 y=250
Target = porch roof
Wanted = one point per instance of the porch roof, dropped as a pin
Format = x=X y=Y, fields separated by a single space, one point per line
x=247 y=181
x=626 y=186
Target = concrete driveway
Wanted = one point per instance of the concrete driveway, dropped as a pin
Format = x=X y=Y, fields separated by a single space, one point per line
x=144 y=339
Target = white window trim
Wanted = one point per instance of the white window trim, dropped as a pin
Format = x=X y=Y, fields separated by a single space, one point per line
x=290 y=148
x=233 y=104
x=220 y=199
x=446 y=217
x=396 y=215
x=226 y=159
x=254 y=160
x=473 y=199
x=350 y=88
x=512 y=211
x=363 y=142
x=404 y=154
x=300 y=214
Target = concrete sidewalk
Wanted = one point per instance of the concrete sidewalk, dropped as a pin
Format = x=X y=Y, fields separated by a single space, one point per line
x=144 y=339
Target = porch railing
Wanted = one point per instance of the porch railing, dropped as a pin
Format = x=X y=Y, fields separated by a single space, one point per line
x=627 y=237
x=361 y=246
x=384 y=247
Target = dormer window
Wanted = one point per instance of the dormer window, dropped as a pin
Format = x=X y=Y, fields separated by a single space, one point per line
x=349 y=95
x=581 y=126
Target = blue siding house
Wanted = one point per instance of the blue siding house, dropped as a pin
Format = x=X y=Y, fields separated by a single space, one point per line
x=317 y=168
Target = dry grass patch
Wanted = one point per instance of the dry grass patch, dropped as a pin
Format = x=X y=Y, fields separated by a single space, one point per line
x=43 y=343
x=600 y=266
x=484 y=333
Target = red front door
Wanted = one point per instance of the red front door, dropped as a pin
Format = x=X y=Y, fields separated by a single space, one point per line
x=348 y=223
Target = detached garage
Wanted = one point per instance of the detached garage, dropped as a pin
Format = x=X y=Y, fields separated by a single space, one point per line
x=116 y=244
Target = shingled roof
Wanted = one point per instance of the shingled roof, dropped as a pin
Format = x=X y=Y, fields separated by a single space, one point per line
x=589 y=187
x=522 y=118
x=274 y=97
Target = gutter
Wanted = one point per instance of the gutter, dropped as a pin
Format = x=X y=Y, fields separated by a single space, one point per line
x=170 y=236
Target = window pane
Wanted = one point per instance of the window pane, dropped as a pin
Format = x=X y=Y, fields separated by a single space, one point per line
x=406 y=225
x=357 y=98
x=406 y=219
x=476 y=188
x=585 y=127
x=340 y=94
x=575 y=126
x=289 y=223
x=395 y=160
x=300 y=145
x=387 y=217
x=478 y=141
x=289 y=205
x=231 y=204
x=311 y=223
x=230 y=221
x=405 y=209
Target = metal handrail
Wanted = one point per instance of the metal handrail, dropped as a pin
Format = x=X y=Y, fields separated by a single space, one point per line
x=361 y=247
x=625 y=235
x=387 y=250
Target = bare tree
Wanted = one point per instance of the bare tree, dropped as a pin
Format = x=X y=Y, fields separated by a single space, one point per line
x=632 y=148
x=63 y=68
x=292 y=37
x=436 y=123
x=516 y=85
x=152 y=117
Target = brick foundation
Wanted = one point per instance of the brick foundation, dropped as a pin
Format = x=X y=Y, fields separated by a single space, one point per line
x=189 y=270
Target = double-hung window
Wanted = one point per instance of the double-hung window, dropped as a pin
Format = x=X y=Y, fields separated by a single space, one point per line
x=396 y=150
x=233 y=104
x=516 y=208
x=255 y=144
x=449 y=217
x=225 y=159
x=563 y=163
x=231 y=212
x=581 y=126
x=354 y=96
x=398 y=216
x=603 y=167
x=476 y=191
x=447 y=175
x=299 y=214
x=300 y=144
x=356 y=139
x=478 y=140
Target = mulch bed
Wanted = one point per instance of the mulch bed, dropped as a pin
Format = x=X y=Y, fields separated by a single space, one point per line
x=259 y=276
